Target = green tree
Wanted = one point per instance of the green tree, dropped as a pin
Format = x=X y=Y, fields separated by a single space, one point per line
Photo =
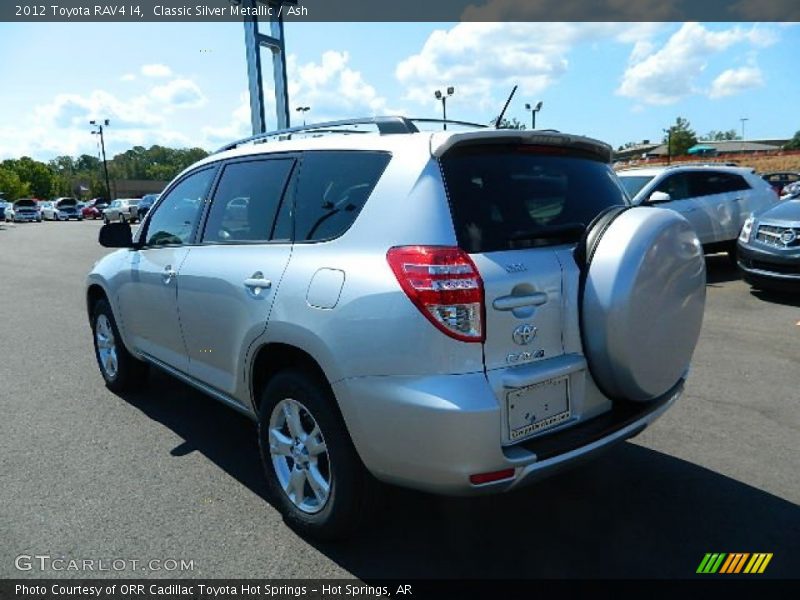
x=794 y=143
x=11 y=186
x=511 y=123
x=721 y=136
x=681 y=137
x=37 y=175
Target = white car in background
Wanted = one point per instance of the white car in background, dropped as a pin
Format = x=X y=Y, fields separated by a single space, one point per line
x=121 y=209
x=715 y=199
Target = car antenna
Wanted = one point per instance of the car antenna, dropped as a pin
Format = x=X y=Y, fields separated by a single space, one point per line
x=503 y=112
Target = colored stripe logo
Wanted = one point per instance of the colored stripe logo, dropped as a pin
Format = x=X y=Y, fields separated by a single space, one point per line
x=734 y=562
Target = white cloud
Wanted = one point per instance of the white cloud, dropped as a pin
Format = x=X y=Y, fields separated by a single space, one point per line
x=183 y=93
x=667 y=75
x=128 y=77
x=239 y=126
x=484 y=60
x=156 y=70
x=332 y=88
x=736 y=81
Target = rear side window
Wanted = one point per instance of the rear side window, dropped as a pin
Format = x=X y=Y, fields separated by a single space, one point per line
x=247 y=200
x=332 y=188
x=710 y=183
x=508 y=197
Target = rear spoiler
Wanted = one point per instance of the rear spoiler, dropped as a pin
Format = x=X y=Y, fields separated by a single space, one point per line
x=441 y=143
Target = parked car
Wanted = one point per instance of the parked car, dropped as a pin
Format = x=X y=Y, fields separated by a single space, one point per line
x=8 y=211
x=61 y=209
x=769 y=248
x=144 y=205
x=715 y=199
x=26 y=211
x=3 y=205
x=94 y=208
x=780 y=179
x=457 y=312
x=122 y=209
x=791 y=191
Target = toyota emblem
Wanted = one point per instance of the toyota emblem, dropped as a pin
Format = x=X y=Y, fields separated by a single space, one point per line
x=524 y=334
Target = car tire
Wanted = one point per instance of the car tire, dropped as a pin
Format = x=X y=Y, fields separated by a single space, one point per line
x=327 y=457
x=733 y=253
x=121 y=371
x=122 y=219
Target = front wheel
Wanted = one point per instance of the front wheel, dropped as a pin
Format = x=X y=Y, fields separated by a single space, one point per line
x=119 y=368
x=314 y=474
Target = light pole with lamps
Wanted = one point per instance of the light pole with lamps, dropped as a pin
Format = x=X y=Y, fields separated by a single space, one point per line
x=534 y=110
x=304 y=110
x=103 y=147
x=443 y=97
x=743 y=120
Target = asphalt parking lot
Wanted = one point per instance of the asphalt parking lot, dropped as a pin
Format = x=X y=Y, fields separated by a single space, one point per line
x=169 y=474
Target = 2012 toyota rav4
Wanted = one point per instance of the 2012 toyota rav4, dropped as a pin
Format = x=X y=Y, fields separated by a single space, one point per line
x=458 y=312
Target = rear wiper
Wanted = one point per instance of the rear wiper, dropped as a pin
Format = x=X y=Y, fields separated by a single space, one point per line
x=570 y=231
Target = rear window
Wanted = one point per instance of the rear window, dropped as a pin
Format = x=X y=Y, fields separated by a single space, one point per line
x=509 y=197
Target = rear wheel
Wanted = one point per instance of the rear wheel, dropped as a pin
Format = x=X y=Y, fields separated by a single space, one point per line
x=120 y=369
x=314 y=475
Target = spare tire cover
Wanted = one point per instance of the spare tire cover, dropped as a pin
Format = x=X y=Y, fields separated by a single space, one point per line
x=643 y=297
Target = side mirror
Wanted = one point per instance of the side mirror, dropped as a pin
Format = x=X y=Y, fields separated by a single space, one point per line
x=659 y=197
x=116 y=235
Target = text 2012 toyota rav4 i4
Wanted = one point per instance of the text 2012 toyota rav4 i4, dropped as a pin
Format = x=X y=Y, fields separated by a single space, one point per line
x=458 y=312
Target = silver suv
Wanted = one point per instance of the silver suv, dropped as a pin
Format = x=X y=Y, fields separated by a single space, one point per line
x=457 y=312
x=716 y=199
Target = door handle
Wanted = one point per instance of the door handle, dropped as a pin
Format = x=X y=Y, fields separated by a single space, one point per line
x=256 y=284
x=512 y=302
x=168 y=275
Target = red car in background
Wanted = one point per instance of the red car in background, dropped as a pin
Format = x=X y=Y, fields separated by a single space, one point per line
x=94 y=208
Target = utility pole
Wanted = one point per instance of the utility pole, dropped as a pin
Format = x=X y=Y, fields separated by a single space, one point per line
x=443 y=97
x=103 y=148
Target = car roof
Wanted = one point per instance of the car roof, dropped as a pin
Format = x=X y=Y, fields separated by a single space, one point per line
x=654 y=171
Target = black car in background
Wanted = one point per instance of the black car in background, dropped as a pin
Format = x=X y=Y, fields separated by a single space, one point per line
x=769 y=248
x=145 y=204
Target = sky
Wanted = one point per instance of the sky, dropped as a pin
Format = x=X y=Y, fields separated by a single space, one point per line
x=185 y=84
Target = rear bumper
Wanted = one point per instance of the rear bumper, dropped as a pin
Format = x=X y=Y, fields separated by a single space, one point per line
x=432 y=433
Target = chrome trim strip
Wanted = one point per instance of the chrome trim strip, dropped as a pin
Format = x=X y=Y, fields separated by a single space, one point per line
x=206 y=389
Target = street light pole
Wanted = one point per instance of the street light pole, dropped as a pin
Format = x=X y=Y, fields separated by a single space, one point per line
x=304 y=110
x=743 y=120
x=443 y=97
x=669 y=145
x=534 y=110
x=103 y=148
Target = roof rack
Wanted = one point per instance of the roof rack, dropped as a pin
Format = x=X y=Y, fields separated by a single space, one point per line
x=385 y=126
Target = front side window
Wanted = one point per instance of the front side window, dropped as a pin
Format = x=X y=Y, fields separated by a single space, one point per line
x=247 y=200
x=677 y=186
x=176 y=217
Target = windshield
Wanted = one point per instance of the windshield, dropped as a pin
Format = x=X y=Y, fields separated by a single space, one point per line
x=508 y=197
x=633 y=184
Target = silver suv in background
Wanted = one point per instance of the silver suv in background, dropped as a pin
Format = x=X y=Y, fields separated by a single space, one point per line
x=457 y=312
x=715 y=199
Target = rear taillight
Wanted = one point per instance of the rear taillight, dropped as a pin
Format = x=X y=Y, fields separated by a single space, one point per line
x=444 y=284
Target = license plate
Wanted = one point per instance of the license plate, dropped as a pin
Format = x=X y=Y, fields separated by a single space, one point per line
x=537 y=407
